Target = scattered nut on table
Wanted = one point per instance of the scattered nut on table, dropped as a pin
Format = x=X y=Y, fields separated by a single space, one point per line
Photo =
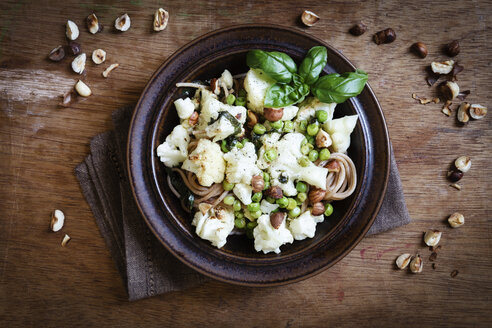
x=403 y=260
x=462 y=114
x=57 y=220
x=93 y=24
x=425 y=101
x=72 y=30
x=420 y=49
x=444 y=67
x=82 y=89
x=477 y=112
x=57 y=54
x=455 y=175
x=456 y=186
x=65 y=240
x=452 y=49
x=432 y=237
x=417 y=264
x=98 y=56
x=161 y=18
x=385 y=36
x=456 y=220
x=449 y=90
x=446 y=109
x=463 y=163
x=109 y=69
x=78 y=64
x=122 y=23
x=309 y=18
x=358 y=29
x=74 y=48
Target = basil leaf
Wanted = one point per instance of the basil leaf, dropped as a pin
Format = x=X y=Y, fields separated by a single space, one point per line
x=313 y=64
x=277 y=65
x=339 y=87
x=281 y=95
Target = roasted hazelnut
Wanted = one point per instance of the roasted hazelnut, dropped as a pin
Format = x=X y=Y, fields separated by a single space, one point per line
x=385 y=36
x=316 y=195
x=193 y=118
x=318 y=209
x=417 y=264
x=333 y=166
x=276 y=219
x=456 y=220
x=432 y=237
x=122 y=23
x=449 y=90
x=274 y=192
x=214 y=85
x=477 y=112
x=403 y=260
x=161 y=17
x=57 y=54
x=257 y=183
x=78 y=64
x=109 y=69
x=463 y=163
x=309 y=18
x=82 y=89
x=74 y=48
x=252 y=119
x=72 y=30
x=420 y=49
x=455 y=175
x=57 y=220
x=462 y=114
x=444 y=67
x=93 y=24
x=273 y=114
x=323 y=139
x=98 y=56
x=358 y=29
x=452 y=49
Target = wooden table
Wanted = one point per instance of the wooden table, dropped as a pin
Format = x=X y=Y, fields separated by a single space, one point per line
x=44 y=284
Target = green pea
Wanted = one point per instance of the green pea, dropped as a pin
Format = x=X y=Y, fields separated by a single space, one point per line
x=278 y=125
x=239 y=215
x=328 y=209
x=306 y=148
x=229 y=200
x=237 y=205
x=230 y=99
x=283 y=202
x=259 y=128
x=266 y=185
x=301 y=186
x=304 y=161
x=256 y=214
x=239 y=145
x=240 y=223
x=266 y=176
x=257 y=197
x=303 y=142
x=292 y=204
x=271 y=200
x=302 y=125
x=324 y=154
x=240 y=101
x=296 y=211
x=270 y=155
x=302 y=196
x=312 y=129
x=244 y=141
x=313 y=155
x=227 y=186
x=299 y=203
x=251 y=225
x=288 y=126
x=311 y=140
x=253 y=207
x=321 y=116
x=249 y=234
x=241 y=93
x=223 y=146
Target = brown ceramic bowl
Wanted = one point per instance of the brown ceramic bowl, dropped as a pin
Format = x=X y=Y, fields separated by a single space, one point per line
x=237 y=262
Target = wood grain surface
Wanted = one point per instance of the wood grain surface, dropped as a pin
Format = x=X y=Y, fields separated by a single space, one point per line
x=43 y=284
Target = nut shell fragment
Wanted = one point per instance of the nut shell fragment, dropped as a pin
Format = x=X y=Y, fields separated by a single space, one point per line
x=449 y=90
x=432 y=237
x=462 y=114
x=82 y=89
x=57 y=54
x=403 y=260
x=57 y=220
x=72 y=30
x=109 y=69
x=98 y=56
x=309 y=18
x=93 y=24
x=122 y=23
x=442 y=67
x=417 y=264
x=477 y=112
x=456 y=220
x=65 y=240
x=161 y=17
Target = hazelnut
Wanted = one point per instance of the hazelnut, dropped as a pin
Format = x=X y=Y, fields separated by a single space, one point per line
x=274 y=192
x=276 y=219
x=109 y=69
x=449 y=90
x=456 y=220
x=477 y=112
x=417 y=264
x=82 y=89
x=333 y=166
x=78 y=64
x=98 y=56
x=93 y=24
x=463 y=163
x=204 y=207
x=385 y=36
x=122 y=23
x=65 y=240
x=252 y=119
x=72 y=31
x=446 y=108
x=316 y=195
x=257 y=183
x=444 y=67
x=273 y=114
x=323 y=139
x=193 y=118
x=318 y=209
x=403 y=260
x=161 y=17
x=309 y=18
x=57 y=54
x=420 y=49
x=462 y=114
x=432 y=237
x=455 y=176
x=74 y=48
x=57 y=220
x=358 y=29
x=214 y=85
x=452 y=49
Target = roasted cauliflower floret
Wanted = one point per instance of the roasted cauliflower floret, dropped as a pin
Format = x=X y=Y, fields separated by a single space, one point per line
x=256 y=84
x=267 y=238
x=304 y=226
x=206 y=162
x=175 y=149
x=215 y=225
x=241 y=164
x=340 y=130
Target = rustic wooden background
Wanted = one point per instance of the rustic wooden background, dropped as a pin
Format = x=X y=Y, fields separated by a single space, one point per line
x=43 y=284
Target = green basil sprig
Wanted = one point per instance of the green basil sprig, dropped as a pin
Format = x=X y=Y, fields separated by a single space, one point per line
x=313 y=64
x=281 y=94
x=339 y=87
x=277 y=65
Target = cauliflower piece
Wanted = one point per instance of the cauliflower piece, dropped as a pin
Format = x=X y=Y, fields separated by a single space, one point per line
x=267 y=207
x=215 y=225
x=184 y=107
x=175 y=149
x=206 y=162
x=314 y=175
x=267 y=238
x=340 y=130
x=289 y=112
x=243 y=193
x=211 y=107
x=304 y=226
x=220 y=129
x=308 y=109
x=269 y=142
x=227 y=79
x=256 y=84
x=241 y=164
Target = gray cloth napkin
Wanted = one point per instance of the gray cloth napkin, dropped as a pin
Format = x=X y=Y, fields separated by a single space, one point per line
x=145 y=266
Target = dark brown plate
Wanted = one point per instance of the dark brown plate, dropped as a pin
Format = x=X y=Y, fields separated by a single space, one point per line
x=237 y=262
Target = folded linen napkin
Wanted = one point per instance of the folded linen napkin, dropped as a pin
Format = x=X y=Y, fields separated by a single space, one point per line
x=145 y=266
